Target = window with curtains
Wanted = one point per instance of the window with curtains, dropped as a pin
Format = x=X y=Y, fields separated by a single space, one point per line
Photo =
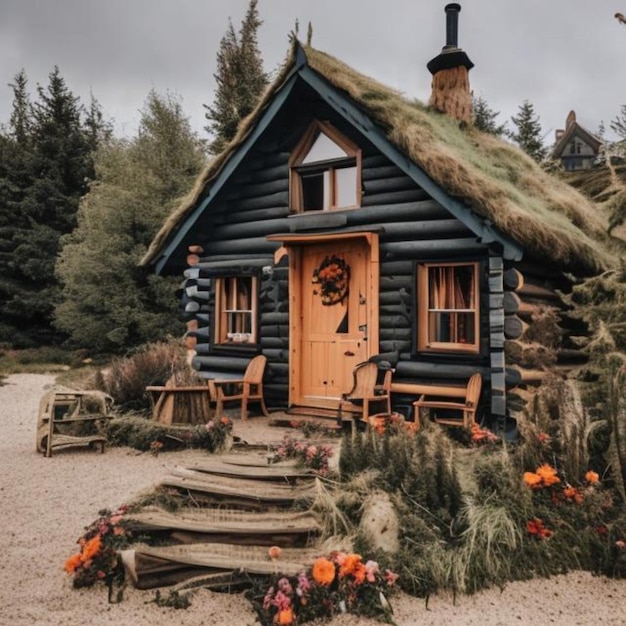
x=236 y=310
x=325 y=171
x=448 y=307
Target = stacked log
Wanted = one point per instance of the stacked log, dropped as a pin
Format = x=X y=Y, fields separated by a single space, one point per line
x=537 y=345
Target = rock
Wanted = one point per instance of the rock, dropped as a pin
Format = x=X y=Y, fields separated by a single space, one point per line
x=380 y=523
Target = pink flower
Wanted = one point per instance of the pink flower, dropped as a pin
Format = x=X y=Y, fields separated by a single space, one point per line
x=304 y=584
x=371 y=569
x=391 y=577
x=282 y=601
x=620 y=544
x=267 y=600
x=285 y=586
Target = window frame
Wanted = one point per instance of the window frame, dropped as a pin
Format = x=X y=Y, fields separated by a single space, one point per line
x=423 y=342
x=222 y=330
x=331 y=166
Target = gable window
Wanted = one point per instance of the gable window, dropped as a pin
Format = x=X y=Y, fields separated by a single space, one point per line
x=236 y=310
x=448 y=307
x=325 y=171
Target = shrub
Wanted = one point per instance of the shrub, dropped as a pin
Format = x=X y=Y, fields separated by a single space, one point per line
x=153 y=364
x=142 y=434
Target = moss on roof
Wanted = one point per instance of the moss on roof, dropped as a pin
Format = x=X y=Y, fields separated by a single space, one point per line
x=495 y=179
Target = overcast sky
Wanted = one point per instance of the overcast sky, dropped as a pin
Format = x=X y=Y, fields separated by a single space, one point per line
x=558 y=54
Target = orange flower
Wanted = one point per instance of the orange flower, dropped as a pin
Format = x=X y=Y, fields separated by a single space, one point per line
x=592 y=477
x=532 y=480
x=359 y=573
x=91 y=548
x=72 y=563
x=535 y=527
x=323 y=571
x=285 y=616
x=548 y=475
x=571 y=493
x=274 y=552
x=351 y=563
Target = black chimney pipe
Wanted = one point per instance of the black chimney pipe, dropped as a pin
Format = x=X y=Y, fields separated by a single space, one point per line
x=452 y=24
x=451 y=55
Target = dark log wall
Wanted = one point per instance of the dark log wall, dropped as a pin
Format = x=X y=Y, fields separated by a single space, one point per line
x=541 y=340
x=254 y=203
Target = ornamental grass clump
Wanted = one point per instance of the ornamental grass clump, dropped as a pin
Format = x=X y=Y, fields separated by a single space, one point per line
x=338 y=583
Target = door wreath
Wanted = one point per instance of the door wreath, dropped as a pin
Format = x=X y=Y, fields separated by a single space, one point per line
x=333 y=276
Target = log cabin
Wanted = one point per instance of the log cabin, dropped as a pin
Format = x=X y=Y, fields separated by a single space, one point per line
x=345 y=222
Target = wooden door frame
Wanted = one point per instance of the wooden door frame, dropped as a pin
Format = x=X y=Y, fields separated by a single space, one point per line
x=295 y=245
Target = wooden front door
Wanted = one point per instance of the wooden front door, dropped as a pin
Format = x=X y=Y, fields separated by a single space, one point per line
x=334 y=287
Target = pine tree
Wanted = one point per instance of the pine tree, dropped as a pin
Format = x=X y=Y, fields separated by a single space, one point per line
x=46 y=166
x=108 y=302
x=484 y=117
x=528 y=132
x=240 y=79
x=21 y=118
x=618 y=125
x=97 y=129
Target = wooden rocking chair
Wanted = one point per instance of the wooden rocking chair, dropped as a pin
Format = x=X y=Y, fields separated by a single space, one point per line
x=246 y=389
x=464 y=408
x=365 y=391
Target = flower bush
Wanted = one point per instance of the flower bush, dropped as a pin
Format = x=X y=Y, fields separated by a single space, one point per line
x=480 y=437
x=334 y=584
x=97 y=559
x=145 y=435
x=313 y=456
x=392 y=424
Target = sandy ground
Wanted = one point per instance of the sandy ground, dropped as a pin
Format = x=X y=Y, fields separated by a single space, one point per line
x=46 y=503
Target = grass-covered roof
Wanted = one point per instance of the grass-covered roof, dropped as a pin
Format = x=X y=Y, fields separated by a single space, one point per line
x=549 y=218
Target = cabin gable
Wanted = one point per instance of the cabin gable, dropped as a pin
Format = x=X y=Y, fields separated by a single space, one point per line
x=247 y=222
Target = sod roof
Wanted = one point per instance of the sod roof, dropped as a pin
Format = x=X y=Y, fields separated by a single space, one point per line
x=499 y=182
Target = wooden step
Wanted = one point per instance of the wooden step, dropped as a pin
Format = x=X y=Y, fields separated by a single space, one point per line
x=192 y=525
x=237 y=492
x=150 y=567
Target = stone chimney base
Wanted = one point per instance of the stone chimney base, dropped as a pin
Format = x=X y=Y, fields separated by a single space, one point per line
x=451 y=94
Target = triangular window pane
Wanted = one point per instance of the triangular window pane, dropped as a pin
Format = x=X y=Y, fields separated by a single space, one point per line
x=324 y=149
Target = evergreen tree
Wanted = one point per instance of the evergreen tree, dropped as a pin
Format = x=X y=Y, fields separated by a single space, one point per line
x=240 y=79
x=108 y=303
x=46 y=163
x=484 y=117
x=528 y=132
x=21 y=118
x=97 y=129
x=618 y=125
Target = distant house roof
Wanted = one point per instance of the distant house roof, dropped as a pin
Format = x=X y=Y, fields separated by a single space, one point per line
x=573 y=128
x=501 y=185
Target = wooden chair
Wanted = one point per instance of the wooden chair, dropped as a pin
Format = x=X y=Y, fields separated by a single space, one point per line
x=366 y=390
x=465 y=407
x=247 y=389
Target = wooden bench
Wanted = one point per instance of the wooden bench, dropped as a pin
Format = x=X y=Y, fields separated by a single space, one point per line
x=182 y=404
x=430 y=394
x=464 y=403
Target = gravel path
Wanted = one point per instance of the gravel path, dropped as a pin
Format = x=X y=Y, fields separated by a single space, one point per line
x=46 y=503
